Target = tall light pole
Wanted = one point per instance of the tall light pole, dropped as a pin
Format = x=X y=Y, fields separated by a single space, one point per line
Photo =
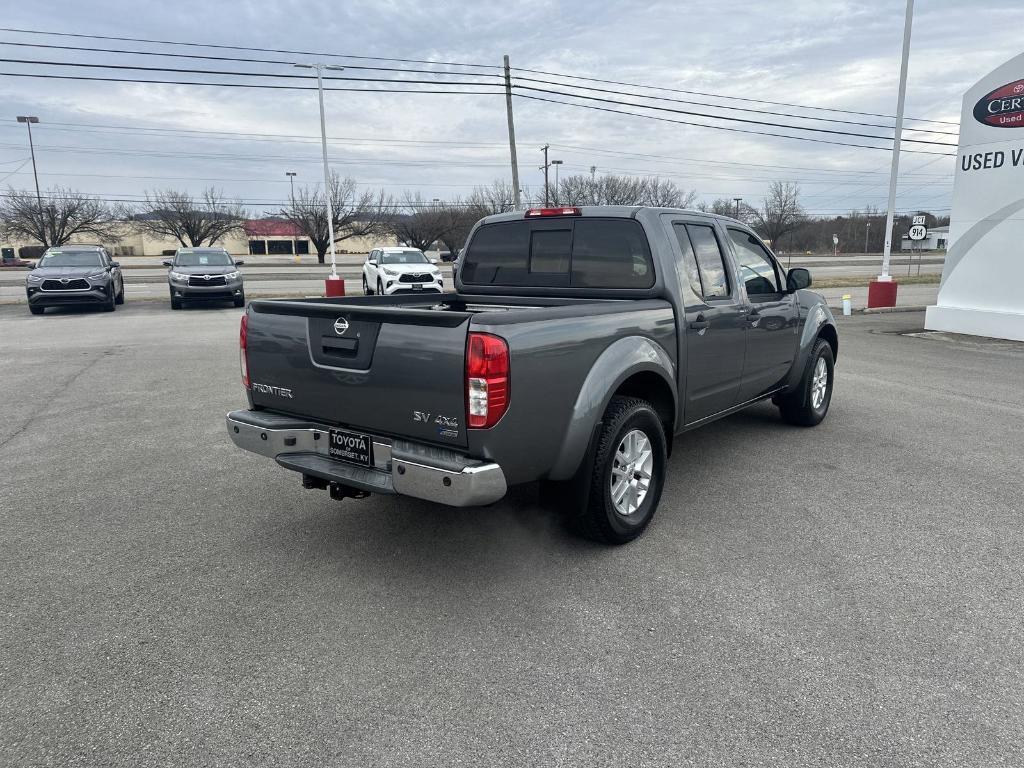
x=556 y=163
x=28 y=120
x=593 y=172
x=319 y=68
x=867 y=234
x=738 y=200
x=885 y=295
x=291 y=179
x=544 y=168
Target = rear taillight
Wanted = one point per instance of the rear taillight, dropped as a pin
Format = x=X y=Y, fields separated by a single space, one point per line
x=243 y=349
x=564 y=211
x=487 y=370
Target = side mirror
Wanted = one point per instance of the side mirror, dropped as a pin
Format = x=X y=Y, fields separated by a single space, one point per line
x=167 y=263
x=372 y=262
x=30 y=265
x=433 y=261
x=798 y=278
x=239 y=262
x=115 y=263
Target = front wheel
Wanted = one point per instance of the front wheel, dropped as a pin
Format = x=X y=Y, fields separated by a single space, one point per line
x=366 y=287
x=111 y=303
x=240 y=300
x=120 y=295
x=36 y=310
x=175 y=303
x=807 y=405
x=380 y=287
x=628 y=473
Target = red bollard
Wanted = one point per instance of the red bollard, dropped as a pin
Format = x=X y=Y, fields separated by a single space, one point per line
x=334 y=286
x=881 y=293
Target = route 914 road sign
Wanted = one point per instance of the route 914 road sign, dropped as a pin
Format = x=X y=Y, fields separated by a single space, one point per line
x=918 y=232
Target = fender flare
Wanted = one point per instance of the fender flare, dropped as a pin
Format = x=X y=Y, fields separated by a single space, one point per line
x=620 y=360
x=818 y=316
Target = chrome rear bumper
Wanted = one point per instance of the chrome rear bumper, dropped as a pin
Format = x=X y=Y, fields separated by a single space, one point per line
x=399 y=467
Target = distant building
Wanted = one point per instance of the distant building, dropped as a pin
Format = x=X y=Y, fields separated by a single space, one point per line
x=937 y=240
x=258 y=237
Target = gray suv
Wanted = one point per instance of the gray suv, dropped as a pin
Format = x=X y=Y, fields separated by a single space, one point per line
x=74 y=274
x=204 y=274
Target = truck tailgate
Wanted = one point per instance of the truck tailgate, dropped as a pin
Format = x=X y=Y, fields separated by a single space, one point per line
x=383 y=370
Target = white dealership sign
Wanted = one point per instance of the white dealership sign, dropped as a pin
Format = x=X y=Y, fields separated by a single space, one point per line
x=981 y=291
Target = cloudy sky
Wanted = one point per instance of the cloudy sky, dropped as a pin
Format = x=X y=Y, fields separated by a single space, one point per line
x=119 y=139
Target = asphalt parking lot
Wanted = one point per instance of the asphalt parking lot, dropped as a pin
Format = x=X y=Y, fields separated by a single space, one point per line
x=846 y=595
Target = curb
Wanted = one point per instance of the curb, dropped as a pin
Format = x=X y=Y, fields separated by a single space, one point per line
x=889 y=310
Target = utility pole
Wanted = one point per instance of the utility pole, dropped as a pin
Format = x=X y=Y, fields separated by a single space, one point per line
x=291 y=178
x=894 y=172
x=327 y=173
x=738 y=200
x=28 y=120
x=511 y=133
x=544 y=168
x=556 y=163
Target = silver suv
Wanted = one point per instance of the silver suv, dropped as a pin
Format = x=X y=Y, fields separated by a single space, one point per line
x=204 y=274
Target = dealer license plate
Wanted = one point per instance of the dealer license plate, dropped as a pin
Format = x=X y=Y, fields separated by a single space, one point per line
x=352 y=447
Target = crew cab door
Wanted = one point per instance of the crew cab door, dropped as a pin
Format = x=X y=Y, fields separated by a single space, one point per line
x=770 y=314
x=713 y=322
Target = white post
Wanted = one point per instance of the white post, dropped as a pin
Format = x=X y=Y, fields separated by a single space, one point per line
x=894 y=171
x=327 y=172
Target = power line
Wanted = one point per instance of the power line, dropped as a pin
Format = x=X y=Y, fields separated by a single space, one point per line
x=320 y=54
x=232 y=73
x=236 y=59
x=250 y=85
x=726 y=128
x=747 y=121
x=729 y=107
x=735 y=98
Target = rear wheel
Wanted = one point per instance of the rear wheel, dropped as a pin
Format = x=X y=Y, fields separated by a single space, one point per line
x=627 y=475
x=807 y=405
x=36 y=310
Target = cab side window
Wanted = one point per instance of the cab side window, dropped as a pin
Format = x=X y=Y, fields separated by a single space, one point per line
x=714 y=279
x=756 y=266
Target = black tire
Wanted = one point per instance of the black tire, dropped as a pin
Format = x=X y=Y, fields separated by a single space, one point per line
x=111 y=303
x=366 y=288
x=240 y=300
x=600 y=520
x=380 y=287
x=175 y=303
x=798 y=406
x=120 y=295
x=36 y=310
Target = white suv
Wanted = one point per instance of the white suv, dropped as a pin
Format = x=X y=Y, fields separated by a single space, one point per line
x=389 y=270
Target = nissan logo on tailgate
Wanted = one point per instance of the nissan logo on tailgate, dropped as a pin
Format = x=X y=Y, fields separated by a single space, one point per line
x=340 y=326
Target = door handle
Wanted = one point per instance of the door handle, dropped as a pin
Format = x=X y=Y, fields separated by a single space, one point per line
x=699 y=323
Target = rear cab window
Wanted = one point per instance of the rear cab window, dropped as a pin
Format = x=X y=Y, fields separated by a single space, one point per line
x=569 y=252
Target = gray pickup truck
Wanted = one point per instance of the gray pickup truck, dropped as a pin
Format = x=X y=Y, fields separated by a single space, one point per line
x=578 y=345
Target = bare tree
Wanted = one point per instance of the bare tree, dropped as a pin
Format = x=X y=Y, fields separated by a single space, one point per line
x=192 y=222
x=62 y=214
x=723 y=206
x=498 y=197
x=356 y=214
x=419 y=224
x=621 y=190
x=781 y=212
